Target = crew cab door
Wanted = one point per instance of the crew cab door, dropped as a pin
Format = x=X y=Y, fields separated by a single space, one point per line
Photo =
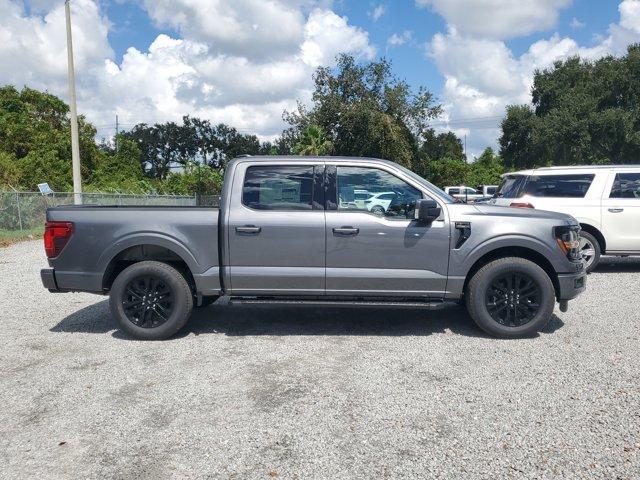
x=276 y=230
x=621 y=211
x=388 y=253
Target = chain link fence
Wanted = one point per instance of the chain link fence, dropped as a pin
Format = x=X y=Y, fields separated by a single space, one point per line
x=26 y=210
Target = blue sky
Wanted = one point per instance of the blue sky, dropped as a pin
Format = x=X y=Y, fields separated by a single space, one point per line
x=244 y=61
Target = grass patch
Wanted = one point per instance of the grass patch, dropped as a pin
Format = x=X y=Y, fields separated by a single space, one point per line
x=9 y=237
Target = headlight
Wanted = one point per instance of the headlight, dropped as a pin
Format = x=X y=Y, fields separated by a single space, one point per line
x=568 y=239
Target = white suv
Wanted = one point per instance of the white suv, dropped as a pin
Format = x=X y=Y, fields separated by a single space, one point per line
x=604 y=199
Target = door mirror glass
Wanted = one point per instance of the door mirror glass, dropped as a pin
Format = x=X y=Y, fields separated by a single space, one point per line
x=427 y=210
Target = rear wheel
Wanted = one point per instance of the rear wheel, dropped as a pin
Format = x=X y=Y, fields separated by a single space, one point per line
x=590 y=250
x=510 y=297
x=151 y=300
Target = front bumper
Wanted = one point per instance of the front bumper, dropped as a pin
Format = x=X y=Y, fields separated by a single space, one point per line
x=570 y=285
x=48 y=277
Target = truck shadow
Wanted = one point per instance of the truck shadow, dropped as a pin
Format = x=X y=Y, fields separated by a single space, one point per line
x=297 y=320
x=618 y=264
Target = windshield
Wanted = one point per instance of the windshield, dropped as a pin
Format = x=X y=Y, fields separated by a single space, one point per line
x=430 y=186
x=511 y=186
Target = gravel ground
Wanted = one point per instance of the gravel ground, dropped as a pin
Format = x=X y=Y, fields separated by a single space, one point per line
x=316 y=393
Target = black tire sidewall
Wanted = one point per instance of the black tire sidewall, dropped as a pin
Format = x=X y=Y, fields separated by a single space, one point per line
x=173 y=279
x=481 y=281
x=596 y=245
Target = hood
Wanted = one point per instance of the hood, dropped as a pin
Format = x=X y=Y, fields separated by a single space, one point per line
x=512 y=212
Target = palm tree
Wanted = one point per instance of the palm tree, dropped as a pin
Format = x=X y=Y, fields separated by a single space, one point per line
x=313 y=142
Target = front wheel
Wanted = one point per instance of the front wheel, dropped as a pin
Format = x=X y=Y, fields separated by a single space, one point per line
x=151 y=300
x=510 y=297
x=590 y=251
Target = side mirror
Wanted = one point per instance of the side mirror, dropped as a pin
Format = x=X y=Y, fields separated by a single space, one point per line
x=427 y=210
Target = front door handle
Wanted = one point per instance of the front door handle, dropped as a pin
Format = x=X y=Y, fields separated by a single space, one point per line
x=248 y=230
x=616 y=210
x=345 y=231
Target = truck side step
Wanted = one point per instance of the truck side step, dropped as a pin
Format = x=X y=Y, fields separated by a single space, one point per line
x=425 y=304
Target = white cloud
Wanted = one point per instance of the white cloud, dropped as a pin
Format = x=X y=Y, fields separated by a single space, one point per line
x=326 y=34
x=498 y=18
x=630 y=15
x=482 y=75
x=576 y=24
x=377 y=12
x=246 y=81
x=400 y=39
x=251 y=28
x=33 y=49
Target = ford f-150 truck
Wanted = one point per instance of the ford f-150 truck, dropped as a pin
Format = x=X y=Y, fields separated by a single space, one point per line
x=291 y=229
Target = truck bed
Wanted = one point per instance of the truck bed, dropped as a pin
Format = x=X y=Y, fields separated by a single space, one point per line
x=107 y=234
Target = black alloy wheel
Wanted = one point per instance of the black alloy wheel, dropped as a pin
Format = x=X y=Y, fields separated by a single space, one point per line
x=513 y=299
x=148 y=301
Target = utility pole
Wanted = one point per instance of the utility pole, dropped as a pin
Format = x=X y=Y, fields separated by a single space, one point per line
x=75 y=143
x=465 y=147
x=117 y=133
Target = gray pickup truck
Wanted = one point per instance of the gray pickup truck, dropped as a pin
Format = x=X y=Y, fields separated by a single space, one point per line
x=324 y=231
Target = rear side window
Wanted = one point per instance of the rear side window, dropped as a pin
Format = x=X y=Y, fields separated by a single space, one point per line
x=278 y=187
x=558 y=186
x=454 y=191
x=510 y=186
x=626 y=185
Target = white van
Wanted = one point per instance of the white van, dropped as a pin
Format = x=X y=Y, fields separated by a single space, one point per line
x=605 y=199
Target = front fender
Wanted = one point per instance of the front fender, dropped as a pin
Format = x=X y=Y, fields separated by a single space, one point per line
x=462 y=260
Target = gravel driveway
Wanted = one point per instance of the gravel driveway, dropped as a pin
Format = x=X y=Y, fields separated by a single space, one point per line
x=316 y=393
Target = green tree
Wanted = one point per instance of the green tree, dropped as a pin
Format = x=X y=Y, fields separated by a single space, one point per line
x=485 y=169
x=195 y=178
x=9 y=171
x=584 y=112
x=121 y=170
x=366 y=111
x=35 y=133
x=313 y=142
x=448 y=171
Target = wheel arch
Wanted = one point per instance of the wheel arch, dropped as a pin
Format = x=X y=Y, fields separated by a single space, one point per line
x=514 y=251
x=140 y=249
x=597 y=234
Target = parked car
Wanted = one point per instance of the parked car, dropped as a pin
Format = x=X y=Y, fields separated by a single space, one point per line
x=466 y=194
x=604 y=199
x=487 y=190
x=284 y=234
x=384 y=202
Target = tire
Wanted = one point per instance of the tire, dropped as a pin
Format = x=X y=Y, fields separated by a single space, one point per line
x=484 y=293
x=151 y=300
x=378 y=210
x=591 y=251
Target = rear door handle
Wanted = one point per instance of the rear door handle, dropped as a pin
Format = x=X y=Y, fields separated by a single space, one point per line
x=248 y=230
x=345 y=231
x=616 y=210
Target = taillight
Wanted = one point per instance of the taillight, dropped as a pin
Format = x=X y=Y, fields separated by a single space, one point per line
x=568 y=239
x=56 y=236
x=521 y=205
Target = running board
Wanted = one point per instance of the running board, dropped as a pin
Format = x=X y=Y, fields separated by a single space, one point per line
x=427 y=305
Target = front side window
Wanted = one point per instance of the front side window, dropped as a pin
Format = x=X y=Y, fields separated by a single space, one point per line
x=559 y=186
x=626 y=185
x=278 y=187
x=387 y=195
x=454 y=191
